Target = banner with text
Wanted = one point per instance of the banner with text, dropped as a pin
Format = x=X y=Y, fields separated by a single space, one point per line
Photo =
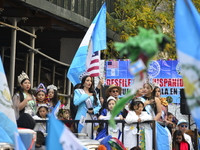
x=166 y=73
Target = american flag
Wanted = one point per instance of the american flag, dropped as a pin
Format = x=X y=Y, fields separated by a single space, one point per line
x=93 y=68
x=93 y=41
x=113 y=64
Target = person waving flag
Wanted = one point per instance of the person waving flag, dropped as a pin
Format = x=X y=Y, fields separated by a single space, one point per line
x=87 y=57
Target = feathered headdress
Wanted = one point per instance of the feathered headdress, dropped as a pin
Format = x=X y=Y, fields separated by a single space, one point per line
x=42 y=88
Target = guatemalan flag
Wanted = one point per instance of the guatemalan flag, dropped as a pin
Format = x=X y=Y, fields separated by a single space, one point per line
x=187 y=31
x=8 y=122
x=19 y=145
x=87 y=57
x=60 y=137
x=56 y=109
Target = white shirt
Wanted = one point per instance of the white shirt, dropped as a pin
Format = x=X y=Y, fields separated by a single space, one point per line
x=189 y=140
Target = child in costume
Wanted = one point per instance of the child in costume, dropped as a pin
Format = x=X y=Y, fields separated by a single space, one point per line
x=140 y=134
x=64 y=114
x=41 y=97
x=106 y=114
x=41 y=115
x=52 y=95
x=170 y=124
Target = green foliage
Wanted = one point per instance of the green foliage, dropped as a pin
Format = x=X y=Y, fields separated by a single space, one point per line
x=197 y=4
x=145 y=43
x=150 y=14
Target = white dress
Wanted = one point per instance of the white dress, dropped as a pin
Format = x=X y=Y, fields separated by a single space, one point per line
x=131 y=132
x=40 y=126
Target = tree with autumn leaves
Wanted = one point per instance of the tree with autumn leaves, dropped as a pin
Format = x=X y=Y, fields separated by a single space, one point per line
x=128 y=15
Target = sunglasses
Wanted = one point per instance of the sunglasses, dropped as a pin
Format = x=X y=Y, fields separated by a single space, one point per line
x=113 y=91
x=184 y=126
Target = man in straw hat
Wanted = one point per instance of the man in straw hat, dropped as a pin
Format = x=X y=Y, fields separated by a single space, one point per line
x=114 y=91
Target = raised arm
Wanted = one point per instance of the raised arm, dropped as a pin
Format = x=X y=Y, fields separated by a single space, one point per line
x=158 y=107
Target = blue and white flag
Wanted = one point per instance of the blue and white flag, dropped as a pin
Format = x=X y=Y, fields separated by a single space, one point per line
x=56 y=109
x=18 y=142
x=187 y=31
x=8 y=121
x=93 y=41
x=60 y=137
x=162 y=138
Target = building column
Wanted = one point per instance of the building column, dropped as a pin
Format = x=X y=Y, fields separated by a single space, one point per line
x=12 y=55
x=53 y=74
x=2 y=54
x=39 y=71
x=69 y=91
x=26 y=62
x=32 y=57
x=64 y=81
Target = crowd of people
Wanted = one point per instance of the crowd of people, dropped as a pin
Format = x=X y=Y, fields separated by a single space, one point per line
x=88 y=104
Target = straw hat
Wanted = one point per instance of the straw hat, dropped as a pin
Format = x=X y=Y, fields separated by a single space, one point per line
x=112 y=86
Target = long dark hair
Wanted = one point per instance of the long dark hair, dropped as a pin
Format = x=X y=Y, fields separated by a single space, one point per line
x=55 y=97
x=175 y=145
x=91 y=89
x=154 y=91
x=21 y=90
x=151 y=97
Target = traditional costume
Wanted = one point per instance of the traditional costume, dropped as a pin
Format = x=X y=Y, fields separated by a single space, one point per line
x=137 y=134
x=45 y=102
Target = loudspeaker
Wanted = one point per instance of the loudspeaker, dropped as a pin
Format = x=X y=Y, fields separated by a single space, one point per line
x=183 y=104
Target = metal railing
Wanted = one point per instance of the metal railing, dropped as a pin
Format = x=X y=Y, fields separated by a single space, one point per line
x=86 y=8
x=152 y=122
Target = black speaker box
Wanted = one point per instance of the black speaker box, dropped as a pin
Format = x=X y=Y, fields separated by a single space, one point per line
x=183 y=103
